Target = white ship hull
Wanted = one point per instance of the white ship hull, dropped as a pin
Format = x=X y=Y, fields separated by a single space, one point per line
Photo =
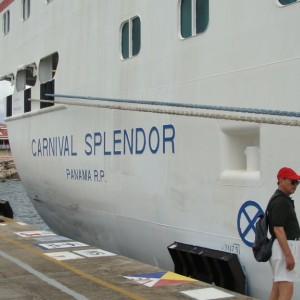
x=133 y=182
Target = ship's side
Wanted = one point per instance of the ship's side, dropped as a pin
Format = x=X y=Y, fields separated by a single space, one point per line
x=133 y=177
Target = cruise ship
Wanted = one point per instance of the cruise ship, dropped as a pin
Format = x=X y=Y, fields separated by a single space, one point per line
x=155 y=129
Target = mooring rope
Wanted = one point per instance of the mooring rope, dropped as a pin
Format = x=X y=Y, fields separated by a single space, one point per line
x=185 y=105
x=221 y=116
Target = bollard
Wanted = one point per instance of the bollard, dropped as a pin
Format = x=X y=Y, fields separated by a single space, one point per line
x=5 y=209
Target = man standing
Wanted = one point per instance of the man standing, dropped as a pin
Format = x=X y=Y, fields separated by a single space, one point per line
x=284 y=226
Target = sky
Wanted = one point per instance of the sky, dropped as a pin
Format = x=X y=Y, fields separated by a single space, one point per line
x=5 y=90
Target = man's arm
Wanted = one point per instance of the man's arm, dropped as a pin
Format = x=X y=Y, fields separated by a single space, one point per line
x=282 y=240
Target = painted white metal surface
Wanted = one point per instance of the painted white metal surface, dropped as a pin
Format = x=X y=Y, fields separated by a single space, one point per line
x=192 y=180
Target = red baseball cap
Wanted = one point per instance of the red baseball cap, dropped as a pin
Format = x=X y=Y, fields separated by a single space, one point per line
x=287 y=173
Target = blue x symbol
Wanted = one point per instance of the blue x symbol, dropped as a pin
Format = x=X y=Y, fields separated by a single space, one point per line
x=251 y=220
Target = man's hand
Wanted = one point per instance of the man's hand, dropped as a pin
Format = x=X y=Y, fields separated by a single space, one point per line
x=290 y=262
x=282 y=240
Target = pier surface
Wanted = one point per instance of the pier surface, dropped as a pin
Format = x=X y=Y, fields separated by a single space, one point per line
x=38 y=264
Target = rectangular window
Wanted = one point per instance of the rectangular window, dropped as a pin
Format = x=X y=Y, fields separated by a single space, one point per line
x=6 y=22
x=131 y=37
x=136 y=36
x=26 y=9
x=194 y=16
x=285 y=2
x=201 y=15
x=186 y=18
x=125 y=40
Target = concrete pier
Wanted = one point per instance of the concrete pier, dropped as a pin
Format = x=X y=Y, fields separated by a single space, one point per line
x=37 y=264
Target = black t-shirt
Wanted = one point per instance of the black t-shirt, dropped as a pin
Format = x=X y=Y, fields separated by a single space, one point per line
x=282 y=214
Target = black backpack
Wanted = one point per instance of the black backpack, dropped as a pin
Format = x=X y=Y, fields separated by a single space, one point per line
x=262 y=246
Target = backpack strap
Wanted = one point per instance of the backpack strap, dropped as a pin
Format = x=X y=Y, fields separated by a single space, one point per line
x=275 y=195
